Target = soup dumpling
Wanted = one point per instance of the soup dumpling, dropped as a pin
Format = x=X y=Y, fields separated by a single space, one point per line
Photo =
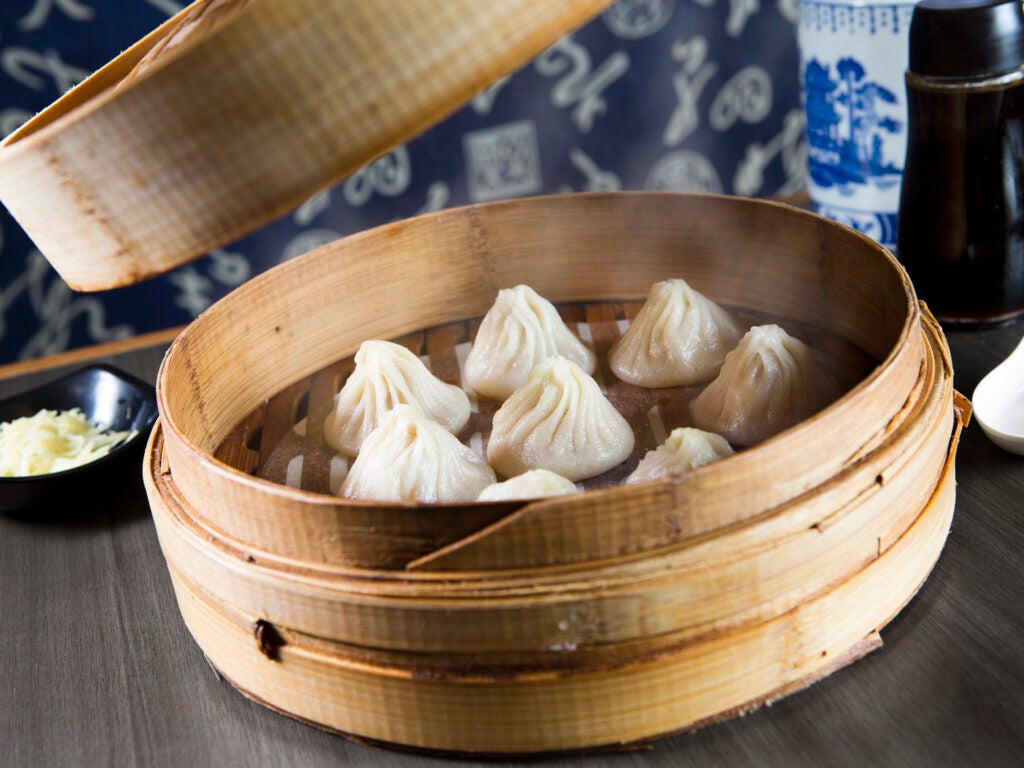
x=386 y=375
x=534 y=484
x=679 y=337
x=767 y=384
x=409 y=457
x=559 y=420
x=686 y=448
x=520 y=330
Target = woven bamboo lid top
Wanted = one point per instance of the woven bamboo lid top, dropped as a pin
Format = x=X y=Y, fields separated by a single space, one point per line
x=235 y=111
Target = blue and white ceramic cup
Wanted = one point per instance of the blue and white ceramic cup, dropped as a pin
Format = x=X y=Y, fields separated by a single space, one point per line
x=853 y=56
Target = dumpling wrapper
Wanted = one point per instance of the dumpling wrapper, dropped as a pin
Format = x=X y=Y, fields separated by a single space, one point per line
x=520 y=330
x=535 y=484
x=386 y=375
x=408 y=457
x=767 y=384
x=686 y=448
x=679 y=337
x=559 y=420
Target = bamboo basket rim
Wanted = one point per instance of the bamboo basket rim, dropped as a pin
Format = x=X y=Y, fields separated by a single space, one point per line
x=789 y=436
x=96 y=91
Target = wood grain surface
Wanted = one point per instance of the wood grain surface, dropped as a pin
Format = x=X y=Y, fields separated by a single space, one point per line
x=98 y=668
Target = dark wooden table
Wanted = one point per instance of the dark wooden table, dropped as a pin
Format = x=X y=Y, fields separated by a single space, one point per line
x=97 y=668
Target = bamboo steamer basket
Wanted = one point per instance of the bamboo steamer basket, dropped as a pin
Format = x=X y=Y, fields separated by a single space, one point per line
x=603 y=618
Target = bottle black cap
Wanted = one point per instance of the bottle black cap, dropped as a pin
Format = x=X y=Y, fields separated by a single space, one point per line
x=966 y=38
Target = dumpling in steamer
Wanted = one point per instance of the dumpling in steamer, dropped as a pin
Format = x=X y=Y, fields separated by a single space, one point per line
x=386 y=375
x=559 y=420
x=685 y=449
x=679 y=337
x=409 y=457
x=520 y=330
x=535 y=484
x=768 y=383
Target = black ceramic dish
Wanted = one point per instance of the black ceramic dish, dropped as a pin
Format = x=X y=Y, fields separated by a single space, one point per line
x=107 y=396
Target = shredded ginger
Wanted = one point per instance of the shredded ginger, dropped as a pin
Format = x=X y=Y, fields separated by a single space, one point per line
x=52 y=442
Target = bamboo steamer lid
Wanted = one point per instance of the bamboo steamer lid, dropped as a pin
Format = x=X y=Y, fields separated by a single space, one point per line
x=235 y=111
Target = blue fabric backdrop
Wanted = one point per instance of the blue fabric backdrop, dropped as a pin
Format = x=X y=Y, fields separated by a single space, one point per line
x=697 y=95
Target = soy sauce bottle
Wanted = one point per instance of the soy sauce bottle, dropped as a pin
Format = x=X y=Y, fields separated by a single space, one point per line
x=961 y=220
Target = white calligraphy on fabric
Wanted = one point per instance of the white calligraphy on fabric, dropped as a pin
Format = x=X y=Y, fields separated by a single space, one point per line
x=483 y=102
x=747 y=97
x=596 y=179
x=312 y=208
x=502 y=161
x=36 y=18
x=438 y=195
x=740 y=12
x=55 y=308
x=12 y=119
x=636 y=19
x=581 y=85
x=389 y=176
x=197 y=292
x=689 y=83
x=22 y=65
x=790 y=145
x=170 y=7
x=307 y=240
x=789 y=9
x=684 y=171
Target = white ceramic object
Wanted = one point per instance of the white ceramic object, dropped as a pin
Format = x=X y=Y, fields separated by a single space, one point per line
x=999 y=402
x=853 y=56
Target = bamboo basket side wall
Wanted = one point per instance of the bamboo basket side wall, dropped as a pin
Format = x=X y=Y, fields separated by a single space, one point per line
x=667 y=600
x=552 y=712
x=776 y=557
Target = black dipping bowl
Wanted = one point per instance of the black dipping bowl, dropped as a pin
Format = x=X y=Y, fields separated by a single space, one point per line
x=108 y=397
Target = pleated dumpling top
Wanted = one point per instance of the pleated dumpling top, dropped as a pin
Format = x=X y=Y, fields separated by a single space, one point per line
x=561 y=421
x=410 y=457
x=387 y=375
x=767 y=384
x=685 y=449
x=520 y=330
x=679 y=337
x=534 y=484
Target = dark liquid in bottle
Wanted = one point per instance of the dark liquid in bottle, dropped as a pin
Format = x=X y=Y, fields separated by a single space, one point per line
x=961 y=227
